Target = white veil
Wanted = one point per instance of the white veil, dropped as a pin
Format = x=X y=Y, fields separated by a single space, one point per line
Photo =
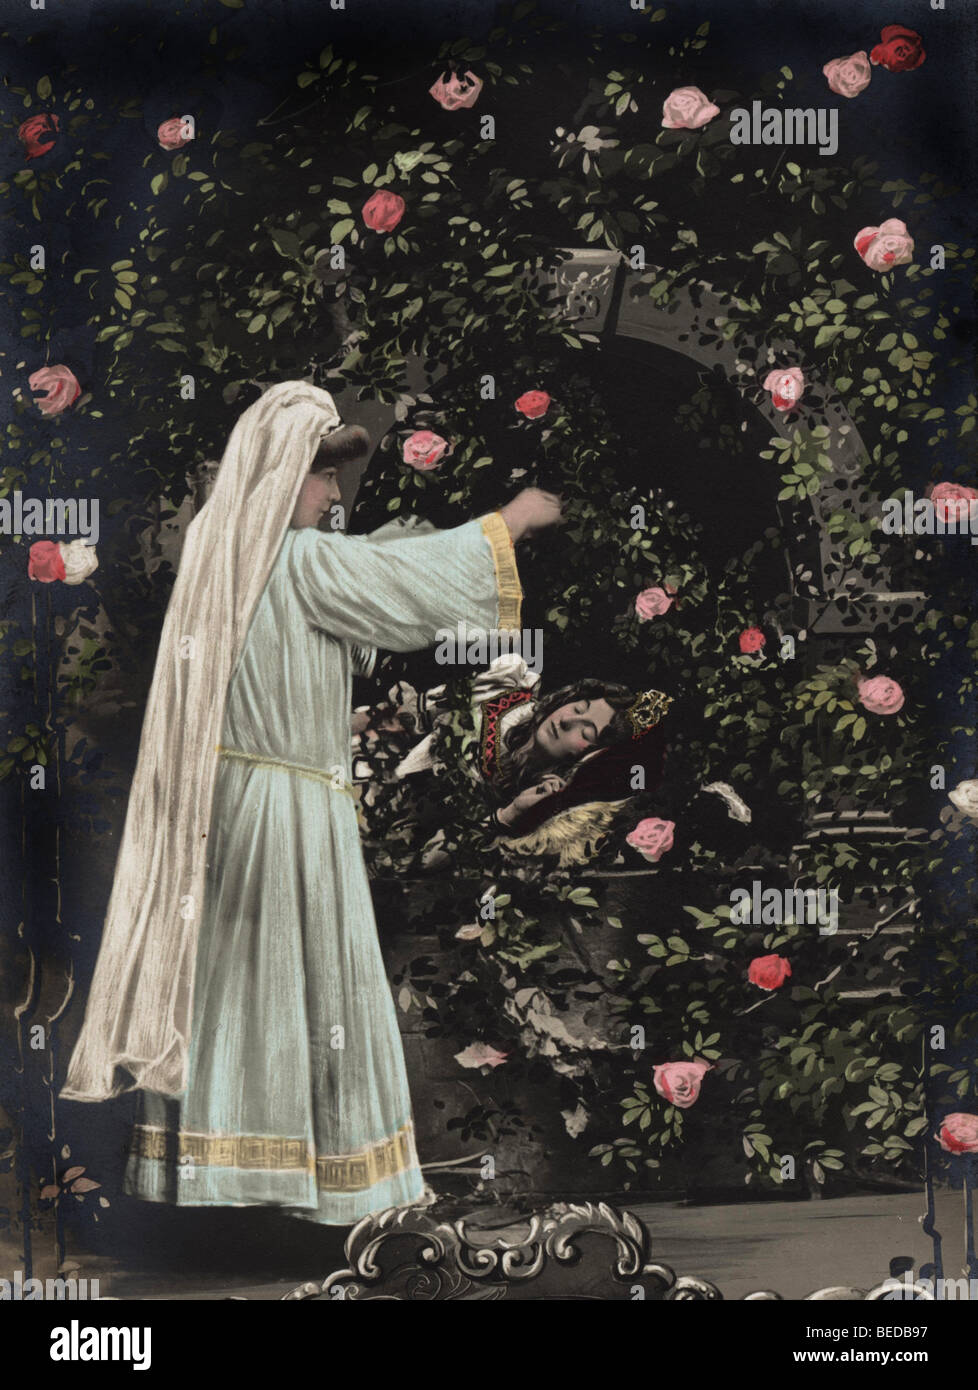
x=139 y=1007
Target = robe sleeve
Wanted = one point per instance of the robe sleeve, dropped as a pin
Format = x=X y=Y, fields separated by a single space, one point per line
x=398 y=594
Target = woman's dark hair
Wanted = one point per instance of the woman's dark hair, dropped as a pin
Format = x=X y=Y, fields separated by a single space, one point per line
x=343 y=445
x=619 y=728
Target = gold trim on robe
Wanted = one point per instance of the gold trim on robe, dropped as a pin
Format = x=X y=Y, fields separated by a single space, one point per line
x=508 y=586
x=352 y=1172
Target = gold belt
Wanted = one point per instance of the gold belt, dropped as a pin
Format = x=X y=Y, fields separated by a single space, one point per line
x=332 y=779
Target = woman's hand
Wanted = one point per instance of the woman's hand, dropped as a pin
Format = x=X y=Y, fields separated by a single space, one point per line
x=531 y=510
x=550 y=785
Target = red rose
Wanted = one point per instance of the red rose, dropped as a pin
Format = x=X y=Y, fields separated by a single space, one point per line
x=679 y=1082
x=533 y=404
x=424 y=450
x=38 y=133
x=45 y=562
x=959 y=1133
x=454 y=91
x=902 y=49
x=61 y=386
x=769 y=972
x=880 y=694
x=752 y=639
x=382 y=211
x=173 y=133
x=786 y=385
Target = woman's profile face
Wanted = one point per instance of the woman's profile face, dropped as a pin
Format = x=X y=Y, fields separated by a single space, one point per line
x=573 y=730
x=319 y=492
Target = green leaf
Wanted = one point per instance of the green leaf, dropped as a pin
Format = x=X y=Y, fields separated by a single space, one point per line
x=341 y=229
x=286 y=243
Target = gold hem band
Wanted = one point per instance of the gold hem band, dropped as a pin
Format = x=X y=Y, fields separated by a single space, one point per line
x=508 y=586
x=352 y=1172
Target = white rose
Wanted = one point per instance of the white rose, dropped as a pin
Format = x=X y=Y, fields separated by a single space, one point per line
x=79 y=559
x=965 y=797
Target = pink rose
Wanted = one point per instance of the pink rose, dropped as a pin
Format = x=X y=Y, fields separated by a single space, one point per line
x=679 y=1082
x=480 y=1054
x=382 y=211
x=885 y=246
x=45 y=562
x=423 y=450
x=849 y=76
x=172 y=135
x=39 y=134
x=61 y=386
x=944 y=494
x=959 y=1133
x=652 y=603
x=687 y=108
x=456 y=91
x=769 y=972
x=533 y=404
x=752 y=639
x=880 y=695
x=786 y=385
x=652 y=837
x=902 y=49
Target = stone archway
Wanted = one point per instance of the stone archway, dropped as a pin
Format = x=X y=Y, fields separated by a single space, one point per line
x=598 y=292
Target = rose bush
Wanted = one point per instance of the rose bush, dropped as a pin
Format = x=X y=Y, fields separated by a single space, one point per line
x=228 y=272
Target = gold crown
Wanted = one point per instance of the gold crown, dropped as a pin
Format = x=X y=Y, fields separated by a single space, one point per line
x=647 y=710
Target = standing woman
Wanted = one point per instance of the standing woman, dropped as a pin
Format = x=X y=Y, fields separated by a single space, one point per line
x=240 y=984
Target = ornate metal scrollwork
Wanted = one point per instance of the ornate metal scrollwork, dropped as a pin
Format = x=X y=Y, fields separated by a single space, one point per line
x=568 y=1252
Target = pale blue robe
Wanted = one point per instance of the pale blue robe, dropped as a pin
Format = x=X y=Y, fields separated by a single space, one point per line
x=297 y=1094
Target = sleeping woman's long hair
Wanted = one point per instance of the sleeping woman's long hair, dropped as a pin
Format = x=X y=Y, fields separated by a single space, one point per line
x=521 y=773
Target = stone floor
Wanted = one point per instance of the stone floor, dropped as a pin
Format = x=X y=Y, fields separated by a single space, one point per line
x=792 y=1248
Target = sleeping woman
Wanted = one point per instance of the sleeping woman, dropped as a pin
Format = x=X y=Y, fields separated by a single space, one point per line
x=554 y=769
